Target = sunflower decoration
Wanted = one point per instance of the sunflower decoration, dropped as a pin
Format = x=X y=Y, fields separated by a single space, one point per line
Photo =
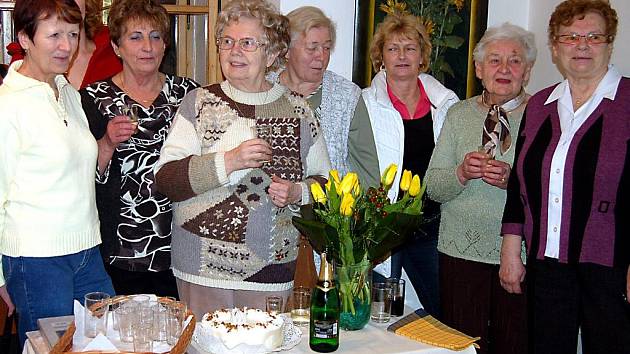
x=429 y=25
x=394 y=7
x=459 y=4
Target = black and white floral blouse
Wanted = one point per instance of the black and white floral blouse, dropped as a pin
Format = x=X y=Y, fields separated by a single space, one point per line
x=135 y=217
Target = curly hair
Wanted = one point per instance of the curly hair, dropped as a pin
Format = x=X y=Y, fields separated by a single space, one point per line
x=404 y=25
x=304 y=18
x=275 y=25
x=570 y=10
x=123 y=12
x=507 y=31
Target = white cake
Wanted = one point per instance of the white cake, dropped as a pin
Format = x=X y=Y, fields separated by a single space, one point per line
x=250 y=327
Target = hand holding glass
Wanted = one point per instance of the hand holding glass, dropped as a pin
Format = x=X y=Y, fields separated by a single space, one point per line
x=263 y=132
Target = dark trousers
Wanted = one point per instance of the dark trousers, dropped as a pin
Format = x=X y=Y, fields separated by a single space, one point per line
x=129 y=283
x=564 y=297
x=419 y=257
x=474 y=302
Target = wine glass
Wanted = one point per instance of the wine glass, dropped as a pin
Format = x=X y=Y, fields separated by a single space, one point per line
x=131 y=111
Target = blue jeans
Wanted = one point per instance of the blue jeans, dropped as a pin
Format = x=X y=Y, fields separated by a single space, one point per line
x=43 y=287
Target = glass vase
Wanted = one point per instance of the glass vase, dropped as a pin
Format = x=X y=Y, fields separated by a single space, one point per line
x=354 y=283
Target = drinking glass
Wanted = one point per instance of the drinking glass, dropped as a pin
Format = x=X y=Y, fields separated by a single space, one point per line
x=95 y=314
x=131 y=111
x=116 y=302
x=263 y=132
x=398 y=295
x=381 y=302
x=142 y=338
x=126 y=316
x=301 y=306
x=175 y=321
x=160 y=320
x=274 y=304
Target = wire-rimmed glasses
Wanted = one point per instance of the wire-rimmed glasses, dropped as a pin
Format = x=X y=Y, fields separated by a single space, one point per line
x=247 y=44
x=591 y=38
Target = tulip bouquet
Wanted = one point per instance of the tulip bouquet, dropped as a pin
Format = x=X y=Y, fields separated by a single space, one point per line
x=358 y=226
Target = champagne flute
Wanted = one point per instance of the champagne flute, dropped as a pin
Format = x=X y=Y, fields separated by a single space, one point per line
x=131 y=111
x=263 y=132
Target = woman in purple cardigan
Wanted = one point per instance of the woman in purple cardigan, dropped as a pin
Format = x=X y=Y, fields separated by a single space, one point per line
x=569 y=197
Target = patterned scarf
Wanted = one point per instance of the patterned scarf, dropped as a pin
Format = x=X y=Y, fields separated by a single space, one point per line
x=496 y=128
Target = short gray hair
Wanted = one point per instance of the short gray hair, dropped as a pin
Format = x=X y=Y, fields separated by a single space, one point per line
x=507 y=31
x=304 y=18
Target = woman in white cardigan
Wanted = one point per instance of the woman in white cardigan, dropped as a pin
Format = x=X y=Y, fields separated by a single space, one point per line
x=407 y=109
x=49 y=227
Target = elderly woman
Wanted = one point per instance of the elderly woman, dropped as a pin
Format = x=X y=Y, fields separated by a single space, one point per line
x=568 y=195
x=49 y=232
x=335 y=100
x=468 y=174
x=235 y=193
x=95 y=59
x=407 y=109
x=135 y=217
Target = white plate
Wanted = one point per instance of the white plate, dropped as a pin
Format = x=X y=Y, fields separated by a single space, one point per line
x=291 y=333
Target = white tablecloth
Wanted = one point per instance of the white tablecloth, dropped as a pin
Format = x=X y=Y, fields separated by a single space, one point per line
x=374 y=338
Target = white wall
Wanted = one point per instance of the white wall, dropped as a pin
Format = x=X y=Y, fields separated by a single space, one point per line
x=534 y=16
x=342 y=13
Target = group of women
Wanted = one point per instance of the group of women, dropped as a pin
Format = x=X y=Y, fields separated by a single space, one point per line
x=191 y=200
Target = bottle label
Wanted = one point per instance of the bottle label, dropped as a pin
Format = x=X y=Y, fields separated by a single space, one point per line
x=325 y=329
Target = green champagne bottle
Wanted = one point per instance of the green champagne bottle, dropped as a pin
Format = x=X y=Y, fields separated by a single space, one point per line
x=324 y=328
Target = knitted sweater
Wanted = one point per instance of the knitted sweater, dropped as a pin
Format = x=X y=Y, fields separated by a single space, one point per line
x=48 y=163
x=471 y=214
x=226 y=232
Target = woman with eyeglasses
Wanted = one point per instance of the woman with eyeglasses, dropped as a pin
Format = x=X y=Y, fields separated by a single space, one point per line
x=568 y=195
x=237 y=164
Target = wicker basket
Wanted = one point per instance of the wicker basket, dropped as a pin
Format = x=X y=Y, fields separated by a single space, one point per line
x=64 y=345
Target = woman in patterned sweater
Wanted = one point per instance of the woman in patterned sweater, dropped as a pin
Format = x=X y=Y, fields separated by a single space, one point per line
x=233 y=241
x=135 y=217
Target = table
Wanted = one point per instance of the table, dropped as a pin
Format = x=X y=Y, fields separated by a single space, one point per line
x=374 y=338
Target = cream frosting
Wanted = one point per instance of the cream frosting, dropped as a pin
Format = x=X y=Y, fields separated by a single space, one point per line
x=238 y=326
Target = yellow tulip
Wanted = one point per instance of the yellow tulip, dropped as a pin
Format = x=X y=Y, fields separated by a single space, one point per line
x=318 y=193
x=389 y=174
x=334 y=174
x=356 y=191
x=414 y=188
x=348 y=182
x=405 y=181
x=347 y=205
x=327 y=185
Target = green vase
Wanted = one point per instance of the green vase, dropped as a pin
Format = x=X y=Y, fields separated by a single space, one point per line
x=354 y=283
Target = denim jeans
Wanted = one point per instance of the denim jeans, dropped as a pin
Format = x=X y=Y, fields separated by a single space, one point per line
x=43 y=287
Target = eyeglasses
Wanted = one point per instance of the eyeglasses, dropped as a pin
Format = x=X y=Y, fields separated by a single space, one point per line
x=591 y=38
x=247 y=44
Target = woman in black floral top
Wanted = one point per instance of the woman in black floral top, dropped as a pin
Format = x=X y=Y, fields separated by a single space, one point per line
x=135 y=217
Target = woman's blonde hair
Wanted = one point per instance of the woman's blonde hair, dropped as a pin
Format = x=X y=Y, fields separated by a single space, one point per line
x=275 y=25
x=405 y=25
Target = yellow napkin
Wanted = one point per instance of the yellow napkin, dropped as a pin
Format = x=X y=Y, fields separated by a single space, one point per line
x=424 y=328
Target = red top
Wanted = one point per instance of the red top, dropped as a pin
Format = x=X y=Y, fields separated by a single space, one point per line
x=422 y=108
x=103 y=64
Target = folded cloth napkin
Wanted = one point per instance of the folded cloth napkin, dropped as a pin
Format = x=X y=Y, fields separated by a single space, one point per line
x=421 y=326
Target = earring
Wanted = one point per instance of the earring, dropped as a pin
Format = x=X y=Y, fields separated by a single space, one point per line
x=383 y=67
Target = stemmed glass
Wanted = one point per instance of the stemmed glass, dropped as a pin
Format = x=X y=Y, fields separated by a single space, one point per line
x=131 y=111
